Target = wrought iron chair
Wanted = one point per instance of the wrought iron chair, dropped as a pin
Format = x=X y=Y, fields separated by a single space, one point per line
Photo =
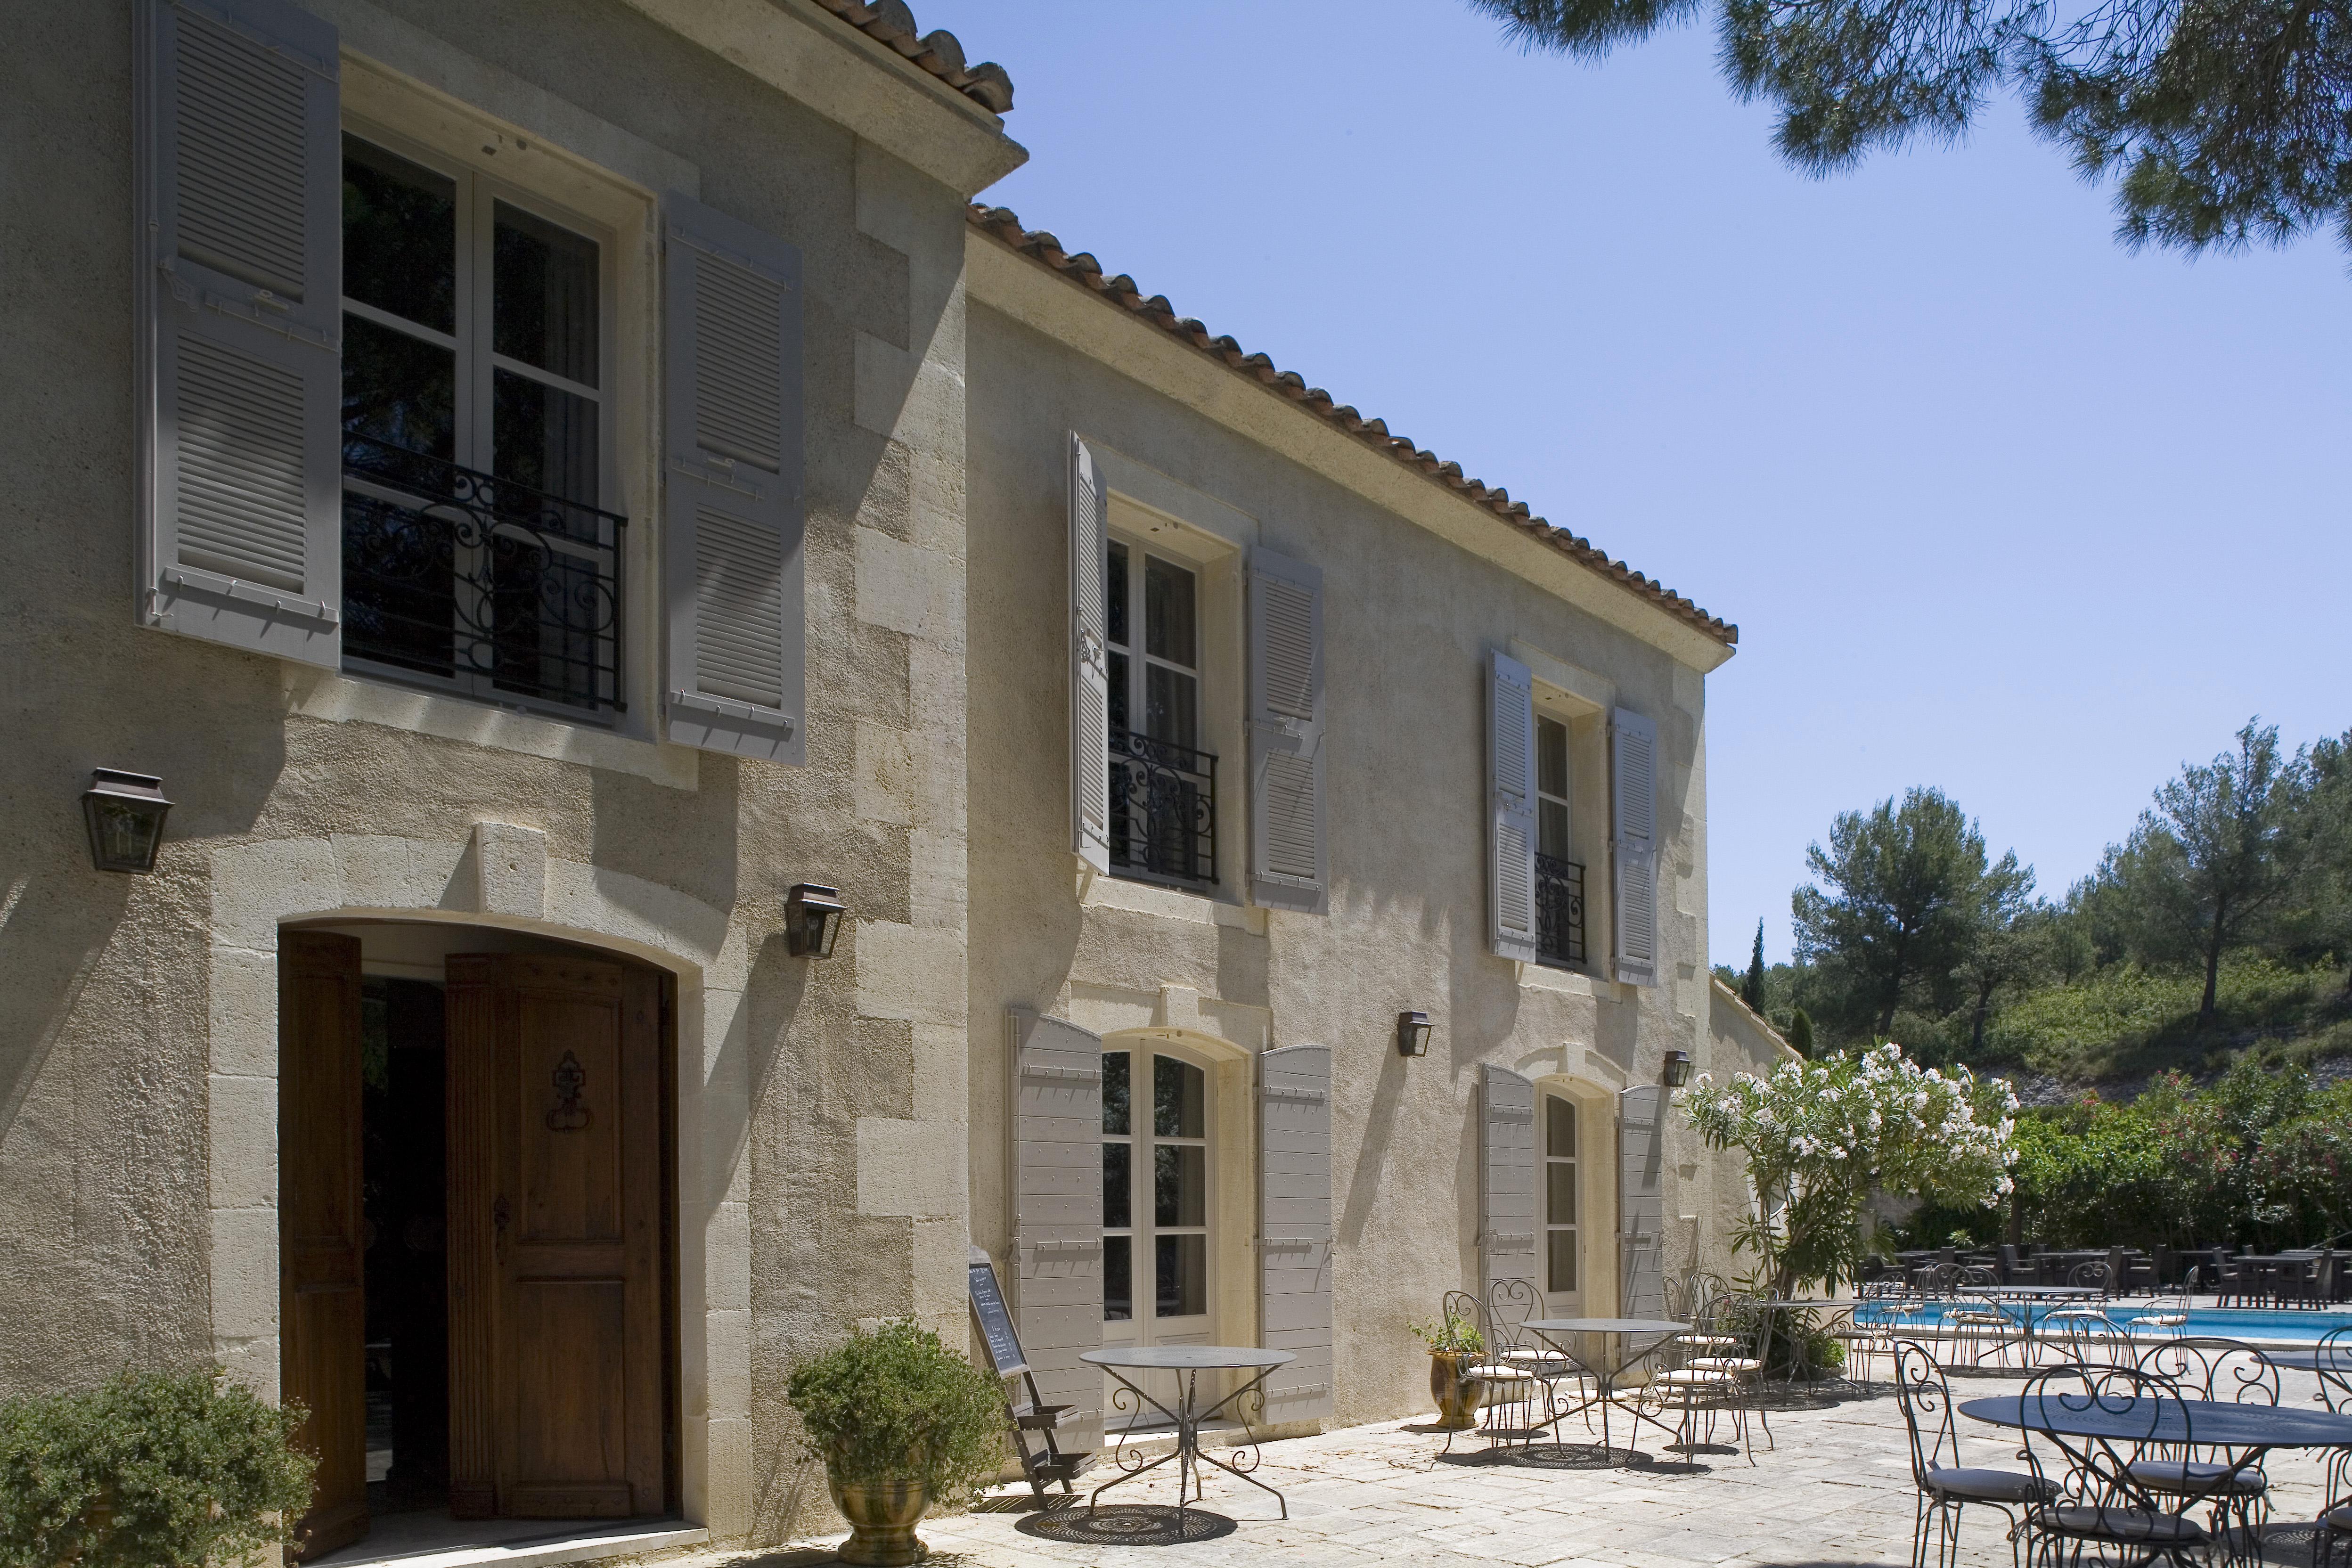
x=1710 y=1375
x=1980 y=1327
x=1945 y=1485
x=1509 y=1304
x=2089 y=1499
x=2090 y=1277
x=2084 y=1336
x=2230 y=1372
x=1507 y=1412
x=1867 y=1330
x=2334 y=1369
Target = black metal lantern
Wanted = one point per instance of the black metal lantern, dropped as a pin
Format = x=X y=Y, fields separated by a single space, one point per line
x=813 y=919
x=1678 y=1069
x=1412 y=1034
x=125 y=814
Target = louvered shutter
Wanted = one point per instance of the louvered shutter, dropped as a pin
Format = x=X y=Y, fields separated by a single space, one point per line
x=1633 y=845
x=1089 y=661
x=1506 y=1179
x=1641 y=1202
x=1290 y=865
x=731 y=415
x=1057 y=1216
x=1295 y=1227
x=240 y=334
x=1511 y=807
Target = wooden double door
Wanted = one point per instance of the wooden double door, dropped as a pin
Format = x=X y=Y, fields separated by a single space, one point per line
x=557 y=1171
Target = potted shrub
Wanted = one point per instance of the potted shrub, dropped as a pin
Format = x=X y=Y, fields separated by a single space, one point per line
x=900 y=1423
x=1454 y=1348
x=151 y=1470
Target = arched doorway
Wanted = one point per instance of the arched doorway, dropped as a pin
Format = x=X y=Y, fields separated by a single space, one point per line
x=476 y=1176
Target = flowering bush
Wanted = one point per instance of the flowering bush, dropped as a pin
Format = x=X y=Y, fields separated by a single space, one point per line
x=1822 y=1136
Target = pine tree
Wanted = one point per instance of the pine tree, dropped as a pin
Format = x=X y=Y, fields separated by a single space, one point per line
x=1751 y=988
x=1801 y=1034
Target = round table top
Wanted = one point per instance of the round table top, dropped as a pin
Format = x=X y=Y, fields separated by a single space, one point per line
x=1604 y=1326
x=2310 y=1357
x=2217 y=1422
x=1188 y=1358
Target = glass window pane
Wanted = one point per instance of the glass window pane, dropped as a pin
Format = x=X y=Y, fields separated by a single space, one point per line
x=1559 y=1260
x=1119 y=1279
x=1115 y=598
x=1170 y=706
x=1178 y=1091
x=1559 y=1192
x=1552 y=756
x=1180 y=1184
x=399 y=390
x=1168 y=611
x=543 y=299
x=544 y=438
x=1551 y=829
x=400 y=236
x=1559 y=1127
x=1119 y=721
x=1182 y=1270
x=1118 y=1212
x=1114 y=1071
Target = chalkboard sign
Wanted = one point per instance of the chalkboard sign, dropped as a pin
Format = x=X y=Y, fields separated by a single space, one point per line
x=996 y=1321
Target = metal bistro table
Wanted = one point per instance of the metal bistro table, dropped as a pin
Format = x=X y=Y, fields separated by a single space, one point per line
x=1605 y=1376
x=1188 y=1362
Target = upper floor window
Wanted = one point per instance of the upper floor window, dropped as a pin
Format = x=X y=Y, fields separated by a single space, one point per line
x=1163 y=786
x=1559 y=878
x=476 y=556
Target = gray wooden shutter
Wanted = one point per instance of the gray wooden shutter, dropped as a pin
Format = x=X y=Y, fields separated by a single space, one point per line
x=1506 y=1179
x=1511 y=807
x=1289 y=864
x=732 y=417
x=1057 y=1216
x=1295 y=1227
x=240 y=327
x=1089 y=661
x=1641 y=1202
x=1634 y=843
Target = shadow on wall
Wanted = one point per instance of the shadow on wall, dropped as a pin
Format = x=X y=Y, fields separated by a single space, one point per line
x=54 y=924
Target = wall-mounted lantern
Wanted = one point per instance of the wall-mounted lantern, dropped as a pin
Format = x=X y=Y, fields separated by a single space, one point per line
x=125 y=814
x=1412 y=1034
x=812 y=919
x=1678 y=1069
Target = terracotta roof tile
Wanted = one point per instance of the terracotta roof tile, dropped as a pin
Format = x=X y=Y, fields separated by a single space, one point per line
x=1084 y=269
x=890 y=22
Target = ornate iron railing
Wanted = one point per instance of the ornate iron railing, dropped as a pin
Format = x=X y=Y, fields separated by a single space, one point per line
x=1559 y=912
x=478 y=585
x=1163 y=810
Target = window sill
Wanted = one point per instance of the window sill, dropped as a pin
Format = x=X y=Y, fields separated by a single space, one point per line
x=341 y=699
x=1569 y=982
x=1098 y=891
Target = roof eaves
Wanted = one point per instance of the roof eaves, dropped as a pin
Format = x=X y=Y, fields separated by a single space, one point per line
x=892 y=22
x=1041 y=247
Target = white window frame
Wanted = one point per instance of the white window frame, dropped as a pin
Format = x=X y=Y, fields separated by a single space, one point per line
x=1561 y=1302
x=1144 y=1326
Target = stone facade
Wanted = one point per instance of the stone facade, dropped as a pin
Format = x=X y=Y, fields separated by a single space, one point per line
x=842 y=1126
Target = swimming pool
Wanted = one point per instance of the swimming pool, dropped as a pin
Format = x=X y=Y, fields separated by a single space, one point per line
x=2253 y=1325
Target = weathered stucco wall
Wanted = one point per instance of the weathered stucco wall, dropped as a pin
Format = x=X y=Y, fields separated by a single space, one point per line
x=1408 y=619
x=824 y=1104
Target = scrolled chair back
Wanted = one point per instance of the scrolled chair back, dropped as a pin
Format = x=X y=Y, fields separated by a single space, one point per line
x=1461 y=1306
x=2335 y=1368
x=1927 y=1403
x=1509 y=1304
x=2088 y=1277
x=2227 y=1372
x=1941 y=1280
x=2087 y=1338
x=2085 y=1428
x=1977 y=1276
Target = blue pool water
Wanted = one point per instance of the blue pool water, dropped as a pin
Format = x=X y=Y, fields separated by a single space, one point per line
x=2249 y=1323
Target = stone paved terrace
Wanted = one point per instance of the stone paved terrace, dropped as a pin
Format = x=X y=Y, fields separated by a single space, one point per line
x=1836 y=1491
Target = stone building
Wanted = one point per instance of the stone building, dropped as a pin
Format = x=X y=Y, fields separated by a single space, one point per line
x=538 y=483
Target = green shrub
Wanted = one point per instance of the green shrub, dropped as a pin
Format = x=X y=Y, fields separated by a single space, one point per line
x=1458 y=1335
x=151 y=1470
x=898 y=1404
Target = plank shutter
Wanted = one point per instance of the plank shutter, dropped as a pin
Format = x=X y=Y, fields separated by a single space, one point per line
x=1289 y=862
x=731 y=413
x=1641 y=1202
x=1511 y=807
x=1634 y=843
x=1089 y=661
x=1506 y=1179
x=1057 y=1216
x=321 y=1228
x=240 y=327
x=1295 y=1228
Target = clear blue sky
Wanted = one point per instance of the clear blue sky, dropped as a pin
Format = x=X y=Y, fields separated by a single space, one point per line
x=1997 y=505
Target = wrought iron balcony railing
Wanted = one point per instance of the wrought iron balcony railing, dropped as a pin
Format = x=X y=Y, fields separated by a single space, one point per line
x=1163 y=810
x=478 y=584
x=1559 y=912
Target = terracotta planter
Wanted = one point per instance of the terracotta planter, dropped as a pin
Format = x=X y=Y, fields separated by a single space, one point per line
x=882 y=1518
x=1458 y=1394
